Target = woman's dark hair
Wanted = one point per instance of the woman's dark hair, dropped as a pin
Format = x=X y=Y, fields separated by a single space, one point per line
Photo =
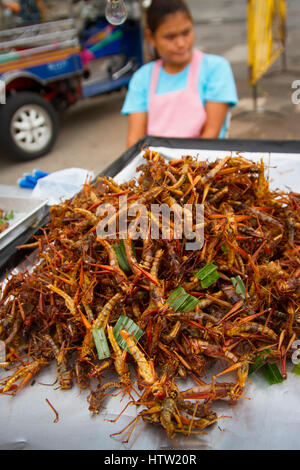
x=159 y=9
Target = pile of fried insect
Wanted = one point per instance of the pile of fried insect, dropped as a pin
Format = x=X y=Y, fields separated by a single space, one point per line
x=152 y=310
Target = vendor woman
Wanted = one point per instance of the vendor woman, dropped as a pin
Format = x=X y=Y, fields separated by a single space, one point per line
x=185 y=93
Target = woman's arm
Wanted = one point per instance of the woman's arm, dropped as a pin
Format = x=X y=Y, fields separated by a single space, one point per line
x=137 y=127
x=216 y=113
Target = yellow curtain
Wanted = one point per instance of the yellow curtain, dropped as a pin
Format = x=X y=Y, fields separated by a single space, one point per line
x=43 y=9
x=266 y=35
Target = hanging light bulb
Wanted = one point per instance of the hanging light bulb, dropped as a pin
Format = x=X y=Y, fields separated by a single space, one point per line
x=115 y=12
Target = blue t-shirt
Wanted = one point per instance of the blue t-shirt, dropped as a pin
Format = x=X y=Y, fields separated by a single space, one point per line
x=215 y=83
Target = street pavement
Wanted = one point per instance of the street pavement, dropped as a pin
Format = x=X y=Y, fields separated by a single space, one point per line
x=93 y=133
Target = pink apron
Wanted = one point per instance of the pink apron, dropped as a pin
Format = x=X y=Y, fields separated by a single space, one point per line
x=177 y=113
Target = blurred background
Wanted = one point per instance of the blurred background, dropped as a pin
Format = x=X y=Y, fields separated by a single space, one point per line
x=92 y=133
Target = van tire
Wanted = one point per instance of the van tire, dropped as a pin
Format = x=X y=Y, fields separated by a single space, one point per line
x=29 y=126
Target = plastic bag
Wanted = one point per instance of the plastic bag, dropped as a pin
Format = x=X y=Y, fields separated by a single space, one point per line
x=61 y=185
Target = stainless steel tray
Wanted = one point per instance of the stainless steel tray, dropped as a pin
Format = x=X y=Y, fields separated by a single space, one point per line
x=27 y=213
x=267 y=418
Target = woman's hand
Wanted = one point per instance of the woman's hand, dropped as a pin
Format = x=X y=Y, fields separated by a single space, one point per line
x=216 y=113
x=137 y=127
